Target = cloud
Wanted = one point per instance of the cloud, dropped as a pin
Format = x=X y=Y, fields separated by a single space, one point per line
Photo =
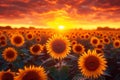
x=78 y=9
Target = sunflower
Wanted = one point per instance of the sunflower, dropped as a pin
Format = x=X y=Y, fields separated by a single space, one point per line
x=38 y=39
x=3 y=43
x=99 y=51
x=118 y=36
x=82 y=36
x=94 y=41
x=10 y=54
x=113 y=38
x=100 y=46
x=73 y=42
x=106 y=40
x=91 y=64
x=36 y=49
x=3 y=37
x=116 y=44
x=78 y=48
x=73 y=36
x=87 y=36
x=58 y=46
x=101 y=41
x=30 y=36
x=17 y=40
x=7 y=75
x=32 y=73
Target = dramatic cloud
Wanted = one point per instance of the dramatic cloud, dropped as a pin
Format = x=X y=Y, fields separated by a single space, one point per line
x=47 y=10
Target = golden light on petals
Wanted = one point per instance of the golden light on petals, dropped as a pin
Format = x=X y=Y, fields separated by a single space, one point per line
x=38 y=39
x=91 y=64
x=17 y=40
x=78 y=48
x=10 y=54
x=116 y=44
x=32 y=73
x=6 y=75
x=3 y=37
x=100 y=46
x=58 y=46
x=73 y=42
x=94 y=41
x=106 y=40
x=30 y=36
x=36 y=49
x=3 y=43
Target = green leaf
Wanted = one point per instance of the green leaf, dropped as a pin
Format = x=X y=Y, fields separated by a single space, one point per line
x=59 y=74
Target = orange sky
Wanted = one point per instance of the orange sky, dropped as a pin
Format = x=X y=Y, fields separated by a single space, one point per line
x=86 y=14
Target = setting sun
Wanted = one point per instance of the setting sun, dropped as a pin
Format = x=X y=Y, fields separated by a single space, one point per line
x=61 y=27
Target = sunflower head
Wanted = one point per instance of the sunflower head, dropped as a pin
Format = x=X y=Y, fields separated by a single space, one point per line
x=99 y=51
x=38 y=39
x=3 y=37
x=30 y=36
x=74 y=36
x=82 y=36
x=100 y=46
x=118 y=36
x=101 y=40
x=58 y=46
x=3 y=43
x=36 y=49
x=94 y=41
x=10 y=54
x=116 y=44
x=78 y=48
x=31 y=73
x=17 y=40
x=73 y=42
x=106 y=40
x=6 y=75
x=91 y=64
x=87 y=36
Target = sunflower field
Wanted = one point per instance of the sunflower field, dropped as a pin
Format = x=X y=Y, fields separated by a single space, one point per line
x=48 y=54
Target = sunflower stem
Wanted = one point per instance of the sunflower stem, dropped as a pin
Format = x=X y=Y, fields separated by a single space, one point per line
x=60 y=64
x=91 y=78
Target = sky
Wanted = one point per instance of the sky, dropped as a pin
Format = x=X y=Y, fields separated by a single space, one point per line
x=86 y=14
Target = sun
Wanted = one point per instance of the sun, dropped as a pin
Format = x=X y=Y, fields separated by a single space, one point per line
x=61 y=27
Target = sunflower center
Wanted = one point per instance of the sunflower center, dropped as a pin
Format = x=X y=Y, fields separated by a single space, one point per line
x=58 y=46
x=36 y=48
x=31 y=75
x=2 y=38
x=86 y=36
x=29 y=36
x=101 y=41
x=98 y=51
x=100 y=46
x=78 y=48
x=92 y=63
x=17 y=39
x=10 y=54
x=73 y=36
x=2 y=42
x=82 y=36
x=38 y=39
x=95 y=41
x=117 y=44
x=73 y=43
x=7 y=76
x=106 y=40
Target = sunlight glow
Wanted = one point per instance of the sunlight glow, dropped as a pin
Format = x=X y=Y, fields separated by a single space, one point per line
x=61 y=27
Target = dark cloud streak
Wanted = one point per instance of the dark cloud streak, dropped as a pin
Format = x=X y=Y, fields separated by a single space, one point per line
x=20 y=8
